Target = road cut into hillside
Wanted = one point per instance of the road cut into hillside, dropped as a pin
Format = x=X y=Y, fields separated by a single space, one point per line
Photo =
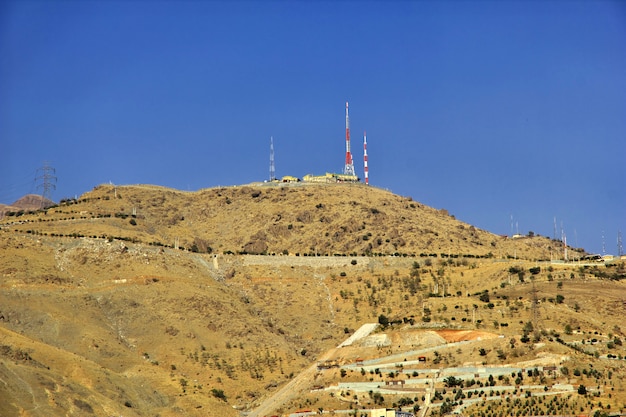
x=304 y=379
x=465 y=335
x=362 y=332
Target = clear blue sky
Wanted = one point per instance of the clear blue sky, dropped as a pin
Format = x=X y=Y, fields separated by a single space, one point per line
x=488 y=109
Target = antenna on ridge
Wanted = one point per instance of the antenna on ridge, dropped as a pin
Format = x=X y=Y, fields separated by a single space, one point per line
x=349 y=168
x=272 y=167
x=365 y=158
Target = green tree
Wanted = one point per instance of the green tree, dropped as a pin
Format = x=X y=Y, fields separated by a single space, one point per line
x=451 y=382
x=446 y=407
x=218 y=393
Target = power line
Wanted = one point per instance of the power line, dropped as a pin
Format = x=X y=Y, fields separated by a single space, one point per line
x=18 y=188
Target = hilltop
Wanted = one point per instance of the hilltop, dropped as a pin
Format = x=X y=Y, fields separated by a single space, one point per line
x=294 y=219
x=143 y=300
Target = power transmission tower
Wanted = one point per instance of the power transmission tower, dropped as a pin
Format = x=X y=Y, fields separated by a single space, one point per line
x=46 y=175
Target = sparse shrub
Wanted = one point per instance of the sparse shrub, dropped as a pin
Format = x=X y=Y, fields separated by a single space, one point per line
x=218 y=393
x=84 y=406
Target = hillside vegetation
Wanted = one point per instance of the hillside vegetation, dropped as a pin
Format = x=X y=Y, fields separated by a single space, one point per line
x=296 y=219
x=143 y=301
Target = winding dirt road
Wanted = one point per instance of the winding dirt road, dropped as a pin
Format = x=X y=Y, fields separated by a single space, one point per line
x=303 y=381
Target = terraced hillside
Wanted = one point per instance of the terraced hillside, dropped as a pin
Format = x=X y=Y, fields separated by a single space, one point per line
x=296 y=219
x=143 y=301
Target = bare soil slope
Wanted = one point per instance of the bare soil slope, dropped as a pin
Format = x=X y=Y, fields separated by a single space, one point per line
x=299 y=219
x=102 y=313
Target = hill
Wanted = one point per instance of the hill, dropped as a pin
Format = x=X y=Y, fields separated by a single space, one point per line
x=296 y=219
x=142 y=301
x=30 y=202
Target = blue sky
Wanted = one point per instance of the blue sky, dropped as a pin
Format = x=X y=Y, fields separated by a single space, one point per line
x=488 y=109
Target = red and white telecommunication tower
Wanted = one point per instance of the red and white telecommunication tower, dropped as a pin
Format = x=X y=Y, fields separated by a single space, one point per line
x=349 y=168
x=367 y=181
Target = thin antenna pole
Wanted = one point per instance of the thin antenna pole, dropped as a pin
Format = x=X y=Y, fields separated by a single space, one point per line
x=272 y=167
x=366 y=169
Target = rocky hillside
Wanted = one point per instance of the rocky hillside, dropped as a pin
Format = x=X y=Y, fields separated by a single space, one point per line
x=144 y=301
x=296 y=219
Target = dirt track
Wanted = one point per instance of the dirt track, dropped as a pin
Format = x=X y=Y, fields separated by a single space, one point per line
x=294 y=388
x=305 y=378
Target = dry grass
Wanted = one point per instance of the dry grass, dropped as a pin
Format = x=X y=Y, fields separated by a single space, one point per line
x=268 y=218
x=100 y=326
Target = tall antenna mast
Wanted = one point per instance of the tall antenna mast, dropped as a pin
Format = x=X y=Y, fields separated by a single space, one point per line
x=272 y=167
x=367 y=181
x=48 y=182
x=564 y=240
x=620 y=248
x=349 y=168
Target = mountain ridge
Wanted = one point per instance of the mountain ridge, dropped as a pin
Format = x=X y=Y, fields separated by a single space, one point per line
x=302 y=219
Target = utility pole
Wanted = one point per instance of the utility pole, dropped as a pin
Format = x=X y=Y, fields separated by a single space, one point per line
x=46 y=175
x=535 y=307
